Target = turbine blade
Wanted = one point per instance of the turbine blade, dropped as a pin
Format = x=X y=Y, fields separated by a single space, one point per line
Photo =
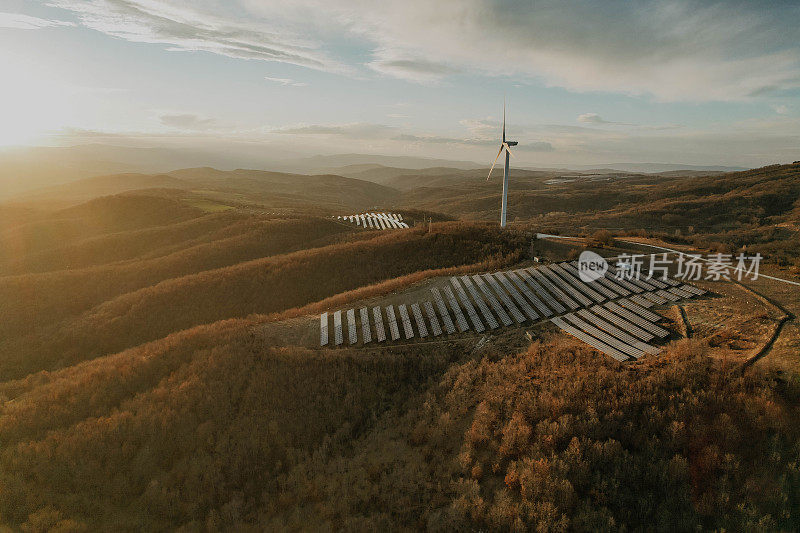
x=504 y=119
x=495 y=162
x=508 y=149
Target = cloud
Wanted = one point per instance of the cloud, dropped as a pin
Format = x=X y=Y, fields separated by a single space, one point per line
x=530 y=146
x=357 y=130
x=409 y=68
x=188 y=28
x=187 y=121
x=592 y=118
x=672 y=50
x=286 y=81
x=780 y=109
x=18 y=21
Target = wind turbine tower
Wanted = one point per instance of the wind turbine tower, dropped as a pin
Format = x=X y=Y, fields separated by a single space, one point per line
x=504 y=145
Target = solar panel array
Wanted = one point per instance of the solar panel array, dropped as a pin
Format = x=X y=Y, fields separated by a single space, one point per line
x=376 y=220
x=612 y=314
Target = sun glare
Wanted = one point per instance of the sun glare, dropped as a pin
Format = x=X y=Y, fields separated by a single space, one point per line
x=31 y=103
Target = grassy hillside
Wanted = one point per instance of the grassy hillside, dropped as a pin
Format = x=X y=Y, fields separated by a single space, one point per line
x=85 y=189
x=60 y=317
x=46 y=230
x=759 y=208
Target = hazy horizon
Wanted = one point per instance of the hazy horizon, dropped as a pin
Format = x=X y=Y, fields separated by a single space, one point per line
x=689 y=83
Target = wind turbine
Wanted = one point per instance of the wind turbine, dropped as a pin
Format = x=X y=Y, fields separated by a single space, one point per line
x=504 y=145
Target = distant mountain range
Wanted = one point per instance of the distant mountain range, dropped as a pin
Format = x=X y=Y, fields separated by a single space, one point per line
x=29 y=168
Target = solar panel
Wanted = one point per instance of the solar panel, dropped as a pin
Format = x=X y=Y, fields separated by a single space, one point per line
x=617 y=288
x=694 y=290
x=594 y=285
x=351 y=326
x=437 y=330
x=394 y=331
x=621 y=323
x=381 y=222
x=487 y=315
x=668 y=296
x=389 y=222
x=504 y=318
x=679 y=292
x=407 y=329
x=380 y=333
x=403 y=224
x=636 y=319
x=604 y=337
x=532 y=298
x=625 y=284
x=548 y=298
x=641 y=311
x=419 y=320
x=641 y=300
x=606 y=282
x=577 y=283
x=323 y=329
x=653 y=297
x=657 y=282
x=516 y=296
x=557 y=293
x=464 y=299
x=366 y=331
x=448 y=323
x=598 y=322
x=463 y=325
x=565 y=287
x=640 y=282
x=515 y=312
x=588 y=339
x=670 y=281
x=337 y=328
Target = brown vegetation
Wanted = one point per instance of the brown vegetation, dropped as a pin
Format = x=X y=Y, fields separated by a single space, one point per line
x=142 y=390
x=58 y=318
x=211 y=428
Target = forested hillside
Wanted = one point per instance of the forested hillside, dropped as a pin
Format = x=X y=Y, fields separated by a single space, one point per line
x=212 y=428
x=145 y=383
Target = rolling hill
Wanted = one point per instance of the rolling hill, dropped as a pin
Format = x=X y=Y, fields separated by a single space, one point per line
x=151 y=376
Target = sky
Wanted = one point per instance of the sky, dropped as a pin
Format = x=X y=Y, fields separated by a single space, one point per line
x=586 y=82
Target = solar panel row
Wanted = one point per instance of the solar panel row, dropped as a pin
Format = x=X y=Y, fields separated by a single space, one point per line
x=516 y=296
x=337 y=328
x=448 y=323
x=351 y=326
x=366 y=331
x=408 y=331
x=624 y=326
x=467 y=304
x=504 y=318
x=515 y=312
x=518 y=279
x=394 y=331
x=376 y=220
